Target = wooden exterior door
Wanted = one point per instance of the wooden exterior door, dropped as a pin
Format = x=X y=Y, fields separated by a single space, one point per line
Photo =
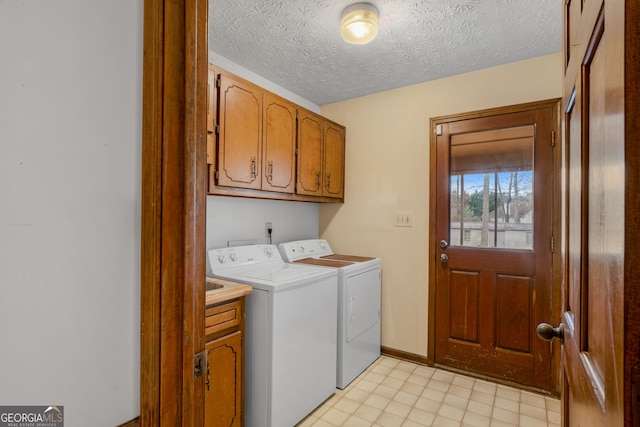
x=600 y=309
x=493 y=241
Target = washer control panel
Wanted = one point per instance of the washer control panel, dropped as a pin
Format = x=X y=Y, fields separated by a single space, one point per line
x=242 y=255
x=292 y=251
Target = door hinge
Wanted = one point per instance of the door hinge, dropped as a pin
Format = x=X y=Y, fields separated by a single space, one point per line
x=218 y=81
x=297 y=114
x=438 y=130
x=215 y=173
x=200 y=363
x=217 y=129
x=553 y=138
x=552 y=244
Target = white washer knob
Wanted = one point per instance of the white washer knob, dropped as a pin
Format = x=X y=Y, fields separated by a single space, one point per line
x=233 y=256
x=268 y=250
x=301 y=248
x=323 y=245
x=222 y=259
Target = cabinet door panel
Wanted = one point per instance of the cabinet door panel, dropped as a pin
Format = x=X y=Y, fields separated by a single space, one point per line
x=223 y=398
x=310 y=131
x=240 y=139
x=333 y=179
x=279 y=144
x=212 y=113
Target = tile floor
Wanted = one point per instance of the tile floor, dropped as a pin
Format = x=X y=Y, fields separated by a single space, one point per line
x=396 y=393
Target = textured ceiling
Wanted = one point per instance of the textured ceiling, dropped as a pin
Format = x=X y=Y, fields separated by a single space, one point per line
x=297 y=45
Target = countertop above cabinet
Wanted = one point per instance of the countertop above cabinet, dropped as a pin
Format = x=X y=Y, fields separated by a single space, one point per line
x=261 y=145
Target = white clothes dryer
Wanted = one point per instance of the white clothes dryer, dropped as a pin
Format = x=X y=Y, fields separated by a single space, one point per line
x=359 y=295
x=291 y=333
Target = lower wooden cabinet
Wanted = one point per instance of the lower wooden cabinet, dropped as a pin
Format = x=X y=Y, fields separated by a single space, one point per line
x=224 y=390
x=224 y=393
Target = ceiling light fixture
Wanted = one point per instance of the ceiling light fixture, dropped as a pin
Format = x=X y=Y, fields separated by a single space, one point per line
x=359 y=23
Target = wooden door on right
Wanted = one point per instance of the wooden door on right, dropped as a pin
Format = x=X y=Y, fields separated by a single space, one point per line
x=600 y=309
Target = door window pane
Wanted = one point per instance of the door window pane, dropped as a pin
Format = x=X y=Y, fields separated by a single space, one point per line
x=491 y=189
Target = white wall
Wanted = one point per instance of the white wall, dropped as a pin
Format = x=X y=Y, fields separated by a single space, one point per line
x=231 y=218
x=387 y=171
x=70 y=132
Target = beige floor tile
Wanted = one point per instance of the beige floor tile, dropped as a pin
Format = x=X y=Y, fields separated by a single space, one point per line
x=385 y=391
x=405 y=398
x=368 y=413
x=553 y=417
x=399 y=374
x=456 y=401
x=460 y=391
x=481 y=397
x=532 y=399
x=533 y=411
x=504 y=403
x=410 y=423
x=445 y=377
x=485 y=387
x=479 y=408
x=508 y=393
x=377 y=401
x=412 y=388
x=335 y=416
x=427 y=405
x=354 y=421
x=432 y=394
x=463 y=381
x=422 y=417
x=357 y=395
x=451 y=412
x=441 y=421
x=347 y=405
x=366 y=385
x=393 y=393
x=399 y=409
x=476 y=420
x=389 y=420
x=504 y=415
x=393 y=382
x=527 y=421
x=435 y=384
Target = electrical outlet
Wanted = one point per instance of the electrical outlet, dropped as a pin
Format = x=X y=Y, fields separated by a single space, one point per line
x=268 y=226
x=403 y=219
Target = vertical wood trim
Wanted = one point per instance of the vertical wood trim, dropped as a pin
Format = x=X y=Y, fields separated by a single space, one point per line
x=150 y=221
x=631 y=59
x=173 y=211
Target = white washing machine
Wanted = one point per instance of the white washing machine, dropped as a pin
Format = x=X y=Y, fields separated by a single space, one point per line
x=291 y=328
x=359 y=291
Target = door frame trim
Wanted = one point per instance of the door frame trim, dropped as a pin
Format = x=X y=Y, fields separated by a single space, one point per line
x=172 y=258
x=558 y=265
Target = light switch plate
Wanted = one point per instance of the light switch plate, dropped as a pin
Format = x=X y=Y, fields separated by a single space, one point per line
x=403 y=219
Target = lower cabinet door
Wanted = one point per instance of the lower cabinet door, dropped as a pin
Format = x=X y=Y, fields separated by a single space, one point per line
x=223 y=397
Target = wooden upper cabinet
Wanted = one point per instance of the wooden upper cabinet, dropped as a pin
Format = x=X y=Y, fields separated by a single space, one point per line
x=240 y=138
x=212 y=114
x=310 y=136
x=320 y=156
x=278 y=144
x=333 y=160
x=257 y=140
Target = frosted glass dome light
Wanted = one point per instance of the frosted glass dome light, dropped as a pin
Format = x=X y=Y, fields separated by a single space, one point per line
x=359 y=23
